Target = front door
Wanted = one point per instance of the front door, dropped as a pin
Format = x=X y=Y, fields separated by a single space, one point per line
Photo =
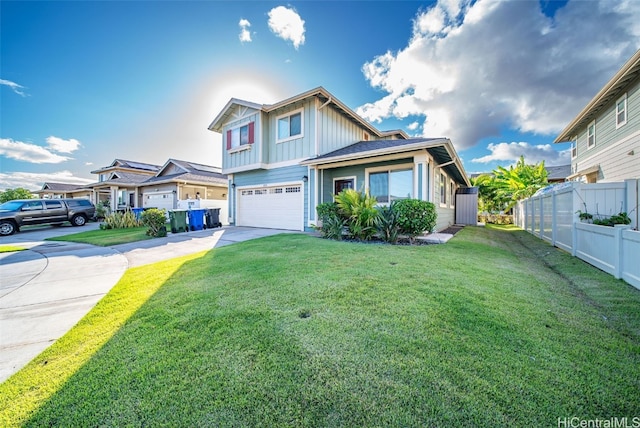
x=342 y=184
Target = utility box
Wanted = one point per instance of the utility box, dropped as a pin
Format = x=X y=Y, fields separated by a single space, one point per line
x=467 y=206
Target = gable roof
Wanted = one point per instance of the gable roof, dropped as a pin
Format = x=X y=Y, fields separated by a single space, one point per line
x=610 y=92
x=61 y=187
x=126 y=164
x=191 y=171
x=441 y=149
x=321 y=93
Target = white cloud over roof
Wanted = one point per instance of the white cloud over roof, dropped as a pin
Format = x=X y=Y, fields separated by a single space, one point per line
x=287 y=24
x=60 y=145
x=534 y=154
x=471 y=69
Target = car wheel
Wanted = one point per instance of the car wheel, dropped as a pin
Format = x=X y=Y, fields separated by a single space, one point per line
x=78 y=220
x=7 y=228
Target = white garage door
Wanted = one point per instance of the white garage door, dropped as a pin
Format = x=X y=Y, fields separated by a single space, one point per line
x=158 y=200
x=276 y=207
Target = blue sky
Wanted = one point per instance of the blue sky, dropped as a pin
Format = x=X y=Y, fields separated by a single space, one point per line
x=84 y=83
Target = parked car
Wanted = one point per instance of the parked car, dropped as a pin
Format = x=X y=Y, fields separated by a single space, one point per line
x=23 y=212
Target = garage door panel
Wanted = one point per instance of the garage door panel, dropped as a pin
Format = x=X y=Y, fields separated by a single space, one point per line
x=277 y=207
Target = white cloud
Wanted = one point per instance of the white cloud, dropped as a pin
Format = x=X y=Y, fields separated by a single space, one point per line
x=413 y=126
x=469 y=70
x=18 y=89
x=28 y=152
x=533 y=154
x=245 y=34
x=287 y=24
x=62 y=146
x=34 y=181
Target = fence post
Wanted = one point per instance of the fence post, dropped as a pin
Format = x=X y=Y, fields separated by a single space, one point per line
x=574 y=238
x=618 y=257
x=541 y=212
x=554 y=219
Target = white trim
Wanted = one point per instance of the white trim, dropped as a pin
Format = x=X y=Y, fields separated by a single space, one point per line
x=389 y=168
x=626 y=111
x=239 y=148
x=574 y=147
x=442 y=187
x=291 y=137
x=351 y=177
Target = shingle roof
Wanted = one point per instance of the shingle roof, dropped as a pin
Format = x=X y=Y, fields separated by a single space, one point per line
x=555 y=173
x=61 y=187
x=372 y=145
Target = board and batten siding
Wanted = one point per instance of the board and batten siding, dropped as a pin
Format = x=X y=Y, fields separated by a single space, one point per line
x=294 y=149
x=335 y=131
x=237 y=158
x=613 y=146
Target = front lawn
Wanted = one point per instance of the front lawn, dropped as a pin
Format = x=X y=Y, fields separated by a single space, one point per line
x=107 y=237
x=494 y=328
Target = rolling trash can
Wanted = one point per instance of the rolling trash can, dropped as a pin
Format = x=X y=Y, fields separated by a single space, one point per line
x=213 y=218
x=178 y=221
x=196 y=219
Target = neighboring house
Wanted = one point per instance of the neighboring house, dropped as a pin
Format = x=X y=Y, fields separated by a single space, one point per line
x=558 y=174
x=135 y=184
x=284 y=159
x=62 y=190
x=605 y=135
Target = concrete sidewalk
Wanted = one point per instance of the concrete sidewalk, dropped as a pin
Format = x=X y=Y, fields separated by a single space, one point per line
x=47 y=289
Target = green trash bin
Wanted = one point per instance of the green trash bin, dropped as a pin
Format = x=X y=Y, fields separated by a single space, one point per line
x=178 y=221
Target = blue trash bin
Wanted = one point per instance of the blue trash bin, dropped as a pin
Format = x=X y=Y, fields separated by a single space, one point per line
x=196 y=219
x=137 y=212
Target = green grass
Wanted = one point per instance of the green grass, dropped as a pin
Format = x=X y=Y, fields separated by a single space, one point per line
x=107 y=237
x=493 y=328
x=10 y=248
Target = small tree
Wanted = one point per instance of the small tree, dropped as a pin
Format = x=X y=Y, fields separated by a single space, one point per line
x=415 y=217
x=155 y=220
x=17 y=193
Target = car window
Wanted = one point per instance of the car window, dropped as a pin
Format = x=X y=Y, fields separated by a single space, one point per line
x=52 y=205
x=32 y=206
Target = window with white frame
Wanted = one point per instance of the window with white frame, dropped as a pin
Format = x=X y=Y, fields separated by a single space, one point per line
x=240 y=136
x=574 y=147
x=621 y=111
x=443 y=189
x=452 y=200
x=591 y=134
x=388 y=185
x=290 y=126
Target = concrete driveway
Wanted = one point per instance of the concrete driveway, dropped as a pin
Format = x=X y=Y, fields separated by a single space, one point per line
x=47 y=289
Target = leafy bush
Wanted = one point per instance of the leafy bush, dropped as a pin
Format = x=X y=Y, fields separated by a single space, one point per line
x=620 y=218
x=360 y=211
x=327 y=209
x=120 y=220
x=332 y=227
x=388 y=226
x=415 y=216
x=155 y=220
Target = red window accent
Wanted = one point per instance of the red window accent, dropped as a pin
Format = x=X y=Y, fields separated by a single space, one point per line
x=251 y=132
x=228 y=139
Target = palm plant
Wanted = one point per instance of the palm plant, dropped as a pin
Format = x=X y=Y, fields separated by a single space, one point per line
x=360 y=210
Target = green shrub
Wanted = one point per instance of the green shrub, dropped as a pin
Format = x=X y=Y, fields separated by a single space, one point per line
x=620 y=218
x=415 y=216
x=333 y=227
x=388 y=226
x=120 y=220
x=327 y=209
x=359 y=209
x=155 y=220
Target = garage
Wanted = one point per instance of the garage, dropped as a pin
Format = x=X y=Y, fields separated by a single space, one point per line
x=158 y=200
x=274 y=207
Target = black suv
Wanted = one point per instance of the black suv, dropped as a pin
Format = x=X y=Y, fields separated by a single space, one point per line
x=24 y=212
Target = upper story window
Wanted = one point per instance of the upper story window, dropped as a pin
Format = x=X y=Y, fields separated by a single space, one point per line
x=621 y=111
x=574 y=147
x=240 y=136
x=290 y=126
x=591 y=134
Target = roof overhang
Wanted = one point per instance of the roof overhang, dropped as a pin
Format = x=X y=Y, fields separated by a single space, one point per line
x=583 y=172
x=609 y=93
x=441 y=150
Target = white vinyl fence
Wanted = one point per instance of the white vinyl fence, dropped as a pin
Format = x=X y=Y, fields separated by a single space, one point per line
x=553 y=215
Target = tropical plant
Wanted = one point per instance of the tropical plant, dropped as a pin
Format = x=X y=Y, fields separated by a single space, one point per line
x=155 y=219
x=120 y=220
x=415 y=217
x=359 y=208
x=17 y=193
x=333 y=227
x=388 y=225
x=620 y=218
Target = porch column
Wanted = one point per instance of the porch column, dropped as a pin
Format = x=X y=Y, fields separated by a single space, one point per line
x=114 y=198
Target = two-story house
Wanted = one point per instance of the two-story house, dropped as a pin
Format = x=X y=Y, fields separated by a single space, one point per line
x=605 y=135
x=284 y=159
